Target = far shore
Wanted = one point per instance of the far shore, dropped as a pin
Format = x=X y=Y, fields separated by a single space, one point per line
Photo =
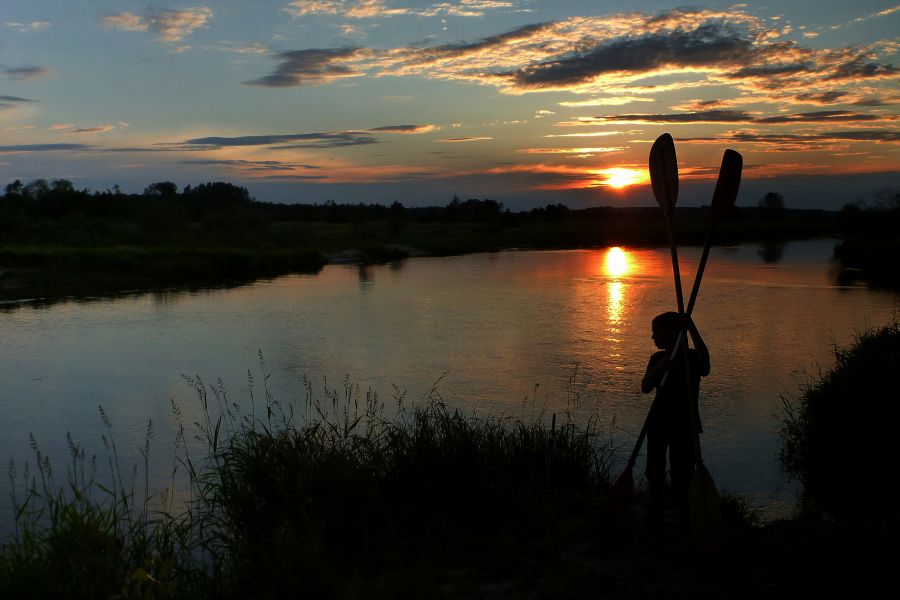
x=49 y=271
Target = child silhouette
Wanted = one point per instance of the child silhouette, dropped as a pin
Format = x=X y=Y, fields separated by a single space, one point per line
x=669 y=425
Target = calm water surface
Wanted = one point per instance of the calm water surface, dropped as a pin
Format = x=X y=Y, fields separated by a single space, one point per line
x=499 y=333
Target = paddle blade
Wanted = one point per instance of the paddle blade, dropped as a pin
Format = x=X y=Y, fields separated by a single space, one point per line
x=664 y=172
x=621 y=495
x=704 y=515
x=727 y=185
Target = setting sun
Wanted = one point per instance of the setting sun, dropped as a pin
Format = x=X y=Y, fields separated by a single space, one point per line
x=617 y=263
x=620 y=177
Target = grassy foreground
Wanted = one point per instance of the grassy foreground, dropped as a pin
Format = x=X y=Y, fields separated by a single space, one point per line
x=343 y=498
x=338 y=503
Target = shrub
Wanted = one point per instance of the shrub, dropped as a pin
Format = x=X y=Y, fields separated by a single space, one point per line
x=839 y=437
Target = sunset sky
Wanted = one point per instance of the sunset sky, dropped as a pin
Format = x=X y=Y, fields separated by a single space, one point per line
x=524 y=101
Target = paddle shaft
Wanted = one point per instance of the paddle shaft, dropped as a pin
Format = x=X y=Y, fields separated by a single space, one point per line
x=693 y=299
x=689 y=388
x=632 y=459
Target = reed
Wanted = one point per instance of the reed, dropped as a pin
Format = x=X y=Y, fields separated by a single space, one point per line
x=325 y=498
x=838 y=436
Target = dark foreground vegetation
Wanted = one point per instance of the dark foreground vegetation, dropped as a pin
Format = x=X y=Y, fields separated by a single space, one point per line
x=870 y=249
x=340 y=500
x=341 y=503
x=56 y=240
x=840 y=436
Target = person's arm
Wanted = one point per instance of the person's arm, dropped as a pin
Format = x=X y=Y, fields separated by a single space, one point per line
x=700 y=346
x=656 y=368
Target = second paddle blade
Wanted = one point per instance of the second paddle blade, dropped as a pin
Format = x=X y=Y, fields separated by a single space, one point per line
x=664 y=172
x=727 y=185
x=704 y=516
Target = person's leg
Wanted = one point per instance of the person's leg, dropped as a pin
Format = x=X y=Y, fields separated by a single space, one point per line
x=681 y=463
x=656 y=471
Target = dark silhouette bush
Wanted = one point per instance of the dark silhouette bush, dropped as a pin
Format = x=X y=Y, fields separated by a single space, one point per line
x=839 y=439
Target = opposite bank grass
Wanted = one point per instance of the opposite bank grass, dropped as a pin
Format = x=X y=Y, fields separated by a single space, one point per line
x=321 y=500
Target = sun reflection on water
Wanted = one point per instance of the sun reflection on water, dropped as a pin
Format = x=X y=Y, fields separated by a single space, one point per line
x=617 y=265
x=614 y=307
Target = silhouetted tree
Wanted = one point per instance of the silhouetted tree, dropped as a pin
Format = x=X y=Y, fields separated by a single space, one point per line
x=219 y=193
x=472 y=210
x=37 y=189
x=852 y=218
x=551 y=213
x=62 y=185
x=771 y=206
x=163 y=189
x=396 y=218
x=15 y=188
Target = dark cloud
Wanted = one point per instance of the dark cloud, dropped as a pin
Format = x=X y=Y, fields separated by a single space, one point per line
x=768 y=71
x=23 y=73
x=310 y=67
x=403 y=129
x=293 y=140
x=859 y=68
x=13 y=101
x=460 y=50
x=468 y=138
x=704 y=116
x=871 y=102
x=97 y=129
x=866 y=136
x=821 y=116
x=335 y=143
x=872 y=135
x=708 y=104
x=252 y=165
x=296 y=177
x=740 y=116
x=707 y=45
x=139 y=149
x=821 y=98
x=44 y=147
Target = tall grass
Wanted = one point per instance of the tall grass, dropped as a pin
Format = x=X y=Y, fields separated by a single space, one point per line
x=321 y=499
x=839 y=438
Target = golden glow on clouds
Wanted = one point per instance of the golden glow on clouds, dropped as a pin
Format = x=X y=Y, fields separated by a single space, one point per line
x=570 y=150
x=585 y=134
x=371 y=9
x=169 y=25
x=714 y=78
x=466 y=139
x=609 y=101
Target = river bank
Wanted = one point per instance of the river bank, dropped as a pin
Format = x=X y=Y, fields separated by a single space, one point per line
x=47 y=271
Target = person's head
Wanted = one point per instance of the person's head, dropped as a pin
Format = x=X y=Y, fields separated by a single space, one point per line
x=665 y=330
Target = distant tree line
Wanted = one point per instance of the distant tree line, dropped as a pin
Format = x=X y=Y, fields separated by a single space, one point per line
x=879 y=218
x=45 y=211
x=41 y=199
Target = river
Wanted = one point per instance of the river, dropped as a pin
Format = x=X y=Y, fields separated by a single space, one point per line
x=512 y=332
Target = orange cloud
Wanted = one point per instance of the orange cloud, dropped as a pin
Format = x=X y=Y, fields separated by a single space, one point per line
x=466 y=139
x=169 y=25
x=611 y=55
x=599 y=150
